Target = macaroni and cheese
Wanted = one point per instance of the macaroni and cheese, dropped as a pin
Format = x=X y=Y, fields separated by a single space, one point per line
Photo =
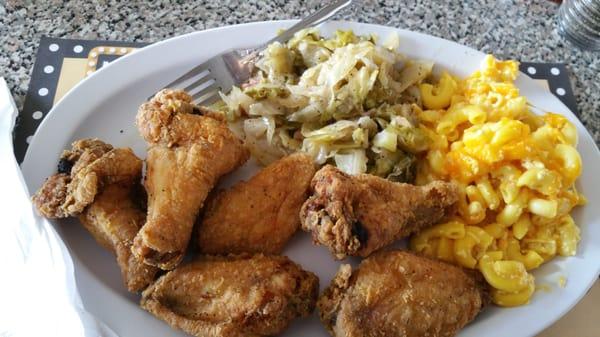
x=516 y=172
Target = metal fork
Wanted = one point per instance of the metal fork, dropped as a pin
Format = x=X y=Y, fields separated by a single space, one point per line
x=234 y=67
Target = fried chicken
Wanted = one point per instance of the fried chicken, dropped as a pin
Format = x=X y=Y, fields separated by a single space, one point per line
x=97 y=183
x=396 y=293
x=357 y=215
x=187 y=154
x=260 y=215
x=49 y=199
x=234 y=296
x=83 y=171
x=114 y=219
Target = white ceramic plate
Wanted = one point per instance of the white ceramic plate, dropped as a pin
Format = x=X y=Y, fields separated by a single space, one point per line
x=106 y=103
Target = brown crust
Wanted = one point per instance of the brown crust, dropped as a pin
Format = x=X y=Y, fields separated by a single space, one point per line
x=50 y=197
x=397 y=293
x=99 y=190
x=95 y=164
x=243 y=295
x=357 y=215
x=260 y=215
x=187 y=155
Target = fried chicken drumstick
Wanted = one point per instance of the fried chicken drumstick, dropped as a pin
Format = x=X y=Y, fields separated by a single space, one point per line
x=187 y=154
x=234 y=296
x=357 y=215
x=396 y=293
x=98 y=183
x=260 y=215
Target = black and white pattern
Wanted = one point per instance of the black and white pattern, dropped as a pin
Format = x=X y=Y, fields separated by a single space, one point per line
x=45 y=78
x=557 y=75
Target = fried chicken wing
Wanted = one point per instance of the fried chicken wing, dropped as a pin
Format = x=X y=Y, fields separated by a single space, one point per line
x=234 y=296
x=48 y=200
x=114 y=219
x=357 y=215
x=260 y=215
x=396 y=293
x=83 y=171
x=187 y=154
x=97 y=183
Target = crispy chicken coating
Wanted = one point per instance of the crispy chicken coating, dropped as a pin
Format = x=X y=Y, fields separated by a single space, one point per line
x=187 y=155
x=83 y=171
x=234 y=296
x=396 y=293
x=357 y=215
x=260 y=215
x=114 y=219
x=48 y=200
x=98 y=184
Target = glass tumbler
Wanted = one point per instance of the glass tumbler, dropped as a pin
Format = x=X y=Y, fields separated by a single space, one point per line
x=579 y=23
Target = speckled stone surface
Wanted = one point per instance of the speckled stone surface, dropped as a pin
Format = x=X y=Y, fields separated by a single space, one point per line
x=520 y=29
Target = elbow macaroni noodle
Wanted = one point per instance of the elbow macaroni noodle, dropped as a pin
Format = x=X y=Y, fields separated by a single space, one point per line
x=516 y=173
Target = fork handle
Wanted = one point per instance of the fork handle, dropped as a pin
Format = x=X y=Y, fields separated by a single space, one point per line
x=314 y=19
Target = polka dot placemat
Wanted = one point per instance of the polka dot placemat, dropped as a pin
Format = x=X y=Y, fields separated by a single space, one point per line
x=62 y=63
x=555 y=77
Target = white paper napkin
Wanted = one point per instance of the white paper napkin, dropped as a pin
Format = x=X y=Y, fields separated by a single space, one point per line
x=38 y=293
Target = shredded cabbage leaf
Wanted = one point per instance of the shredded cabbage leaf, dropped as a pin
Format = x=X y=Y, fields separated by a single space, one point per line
x=345 y=100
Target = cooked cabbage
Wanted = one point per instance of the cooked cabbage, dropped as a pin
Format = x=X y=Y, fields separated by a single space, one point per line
x=345 y=100
x=386 y=139
x=351 y=161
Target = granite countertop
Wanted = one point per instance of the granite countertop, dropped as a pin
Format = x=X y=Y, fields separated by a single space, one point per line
x=520 y=29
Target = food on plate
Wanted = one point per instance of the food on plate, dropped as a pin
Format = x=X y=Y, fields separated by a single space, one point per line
x=189 y=150
x=244 y=295
x=357 y=215
x=99 y=184
x=494 y=185
x=396 y=293
x=114 y=219
x=260 y=215
x=515 y=171
x=82 y=172
x=345 y=100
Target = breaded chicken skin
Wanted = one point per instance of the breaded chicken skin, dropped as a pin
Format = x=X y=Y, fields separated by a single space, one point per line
x=234 y=296
x=357 y=215
x=187 y=154
x=99 y=184
x=260 y=215
x=83 y=172
x=396 y=293
x=114 y=219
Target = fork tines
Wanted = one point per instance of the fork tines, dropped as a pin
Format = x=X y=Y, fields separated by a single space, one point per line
x=200 y=82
